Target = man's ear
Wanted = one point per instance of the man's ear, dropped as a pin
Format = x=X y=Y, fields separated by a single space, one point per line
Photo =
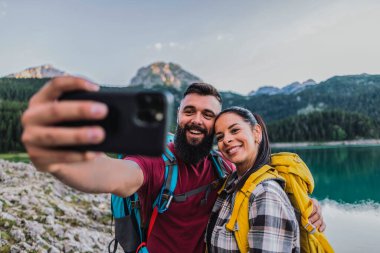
x=178 y=115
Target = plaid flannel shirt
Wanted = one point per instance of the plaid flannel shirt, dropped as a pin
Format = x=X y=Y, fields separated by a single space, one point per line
x=273 y=226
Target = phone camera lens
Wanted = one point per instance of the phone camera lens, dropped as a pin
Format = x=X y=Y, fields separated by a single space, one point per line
x=150 y=108
x=147 y=116
x=148 y=99
x=159 y=116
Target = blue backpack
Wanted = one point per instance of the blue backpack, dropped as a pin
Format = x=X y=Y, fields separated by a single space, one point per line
x=130 y=232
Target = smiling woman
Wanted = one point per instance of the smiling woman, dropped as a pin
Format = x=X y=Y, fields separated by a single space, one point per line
x=242 y=138
x=255 y=198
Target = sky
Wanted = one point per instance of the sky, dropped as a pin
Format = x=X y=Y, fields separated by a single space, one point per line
x=235 y=45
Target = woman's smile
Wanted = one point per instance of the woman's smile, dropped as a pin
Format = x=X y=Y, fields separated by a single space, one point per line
x=233 y=150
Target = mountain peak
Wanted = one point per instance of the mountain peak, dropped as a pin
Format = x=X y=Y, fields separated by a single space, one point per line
x=296 y=87
x=292 y=88
x=162 y=73
x=43 y=71
x=265 y=90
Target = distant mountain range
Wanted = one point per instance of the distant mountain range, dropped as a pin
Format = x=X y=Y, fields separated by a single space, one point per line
x=294 y=87
x=162 y=73
x=158 y=73
x=351 y=93
x=165 y=74
x=44 y=71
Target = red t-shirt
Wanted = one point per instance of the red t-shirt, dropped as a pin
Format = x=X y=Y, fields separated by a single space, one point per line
x=181 y=228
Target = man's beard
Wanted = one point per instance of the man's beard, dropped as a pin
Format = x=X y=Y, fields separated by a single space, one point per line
x=192 y=153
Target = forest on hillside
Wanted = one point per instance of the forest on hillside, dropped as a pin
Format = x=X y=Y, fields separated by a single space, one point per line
x=341 y=108
x=324 y=126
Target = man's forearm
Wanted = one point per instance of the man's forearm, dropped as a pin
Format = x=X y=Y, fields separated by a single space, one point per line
x=102 y=175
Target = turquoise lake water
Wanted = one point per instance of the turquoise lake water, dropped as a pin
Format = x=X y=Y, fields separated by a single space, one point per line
x=347 y=183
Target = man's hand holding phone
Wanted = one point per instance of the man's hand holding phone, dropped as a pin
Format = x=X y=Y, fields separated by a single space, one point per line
x=41 y=137
x=60 y=127
x=68 y=118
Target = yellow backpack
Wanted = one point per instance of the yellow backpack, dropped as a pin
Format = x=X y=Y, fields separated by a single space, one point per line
x=299 y=184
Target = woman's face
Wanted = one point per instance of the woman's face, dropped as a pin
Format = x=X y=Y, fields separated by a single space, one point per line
x=238 y=140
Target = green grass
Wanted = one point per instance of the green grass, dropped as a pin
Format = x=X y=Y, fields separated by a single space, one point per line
x=15 y=157
x=5 y=249
x=23 y=157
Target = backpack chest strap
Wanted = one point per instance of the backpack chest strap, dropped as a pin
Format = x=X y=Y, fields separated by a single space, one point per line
x=205 y=188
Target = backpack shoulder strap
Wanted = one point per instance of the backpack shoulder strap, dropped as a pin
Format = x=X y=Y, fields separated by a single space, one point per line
x=238 y=222
x=219 y=164
x=165 y=196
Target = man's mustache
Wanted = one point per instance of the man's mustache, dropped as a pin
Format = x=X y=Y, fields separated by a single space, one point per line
x=195 y=127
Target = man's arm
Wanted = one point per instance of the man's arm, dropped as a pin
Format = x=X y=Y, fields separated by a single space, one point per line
x=316 y=217
x=102 y=175
x=85 y=171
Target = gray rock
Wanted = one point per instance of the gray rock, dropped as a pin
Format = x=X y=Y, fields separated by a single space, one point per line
x=50 y=220
x=17 y=234
x=67 y=198
x=15 y=249
x=53 y=249
x=21 y=248
x=40 y=250
x=41 y=245
x=34 y=201
x=3 y=242
x=70 y=246
x=3 y=177
x=58 y=231
x=7 y=216
x=95 y=213
x=24 y=201
x=48 y=211
x=35 y=229
x=25 y=247
x=28 y=173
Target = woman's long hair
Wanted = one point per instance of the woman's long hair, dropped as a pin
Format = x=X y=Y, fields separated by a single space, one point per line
x=263 y=156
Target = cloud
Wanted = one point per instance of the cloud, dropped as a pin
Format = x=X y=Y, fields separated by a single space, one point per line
x=224 y=36
x=159 y=46
x=173 y=44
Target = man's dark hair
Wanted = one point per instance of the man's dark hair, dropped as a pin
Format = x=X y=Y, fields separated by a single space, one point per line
x=203 y=89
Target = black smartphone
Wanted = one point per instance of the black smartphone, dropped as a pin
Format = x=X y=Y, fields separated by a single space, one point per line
x=137 y=121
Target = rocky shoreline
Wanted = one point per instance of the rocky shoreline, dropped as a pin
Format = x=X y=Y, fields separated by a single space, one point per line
x=40 y=214
x=368 y=142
